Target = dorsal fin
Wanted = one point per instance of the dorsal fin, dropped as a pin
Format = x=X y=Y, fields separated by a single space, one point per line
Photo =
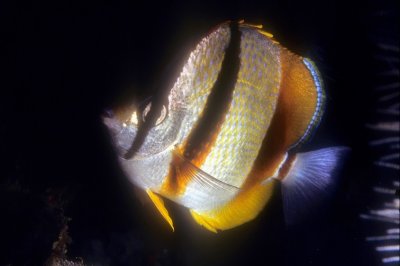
x=320 y=101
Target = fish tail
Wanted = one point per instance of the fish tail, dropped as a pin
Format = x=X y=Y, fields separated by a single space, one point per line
x=310 y=178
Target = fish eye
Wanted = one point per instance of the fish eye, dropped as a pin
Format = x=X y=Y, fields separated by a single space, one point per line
x=162 y=116
x=160 y=119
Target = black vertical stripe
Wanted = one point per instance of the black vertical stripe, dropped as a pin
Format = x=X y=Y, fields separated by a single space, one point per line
x=144 y=127
x=220 y=97
x=215 y=109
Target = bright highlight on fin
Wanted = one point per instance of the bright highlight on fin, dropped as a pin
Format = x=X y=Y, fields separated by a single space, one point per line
x=310 y=179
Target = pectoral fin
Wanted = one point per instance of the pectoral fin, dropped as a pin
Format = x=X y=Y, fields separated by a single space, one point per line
x=188 y=172
x=193 y=188
x=159 y=203
x=203 y=191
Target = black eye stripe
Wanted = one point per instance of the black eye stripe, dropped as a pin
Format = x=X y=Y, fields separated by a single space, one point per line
x=217 y=105
x=161 y=115
x=144 y=126
x=146 y=111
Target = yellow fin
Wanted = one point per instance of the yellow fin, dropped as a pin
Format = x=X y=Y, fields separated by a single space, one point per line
x=250 y=25
x=265 y=33
x=159 y=203
x=259 y=29
x=202 y=221
x=243 y=208
x=258 y=26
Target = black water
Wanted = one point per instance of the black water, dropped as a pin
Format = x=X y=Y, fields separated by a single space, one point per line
x=65 y=63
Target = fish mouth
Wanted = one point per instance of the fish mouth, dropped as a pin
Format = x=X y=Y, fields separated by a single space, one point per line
x=108 y=118
x=110 y=122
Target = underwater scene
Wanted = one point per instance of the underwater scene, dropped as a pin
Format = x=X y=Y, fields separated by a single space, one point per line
x=200 y=133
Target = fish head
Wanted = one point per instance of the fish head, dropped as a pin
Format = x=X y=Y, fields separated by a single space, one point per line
x=145 y=135
x=173 y=114
x=156 y=124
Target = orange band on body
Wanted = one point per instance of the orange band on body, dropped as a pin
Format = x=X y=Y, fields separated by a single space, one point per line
x=296 y=106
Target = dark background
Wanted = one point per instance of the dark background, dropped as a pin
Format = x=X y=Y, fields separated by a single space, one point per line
x=65 y=63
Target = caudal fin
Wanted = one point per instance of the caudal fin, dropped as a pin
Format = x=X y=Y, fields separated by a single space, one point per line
x=310 y=179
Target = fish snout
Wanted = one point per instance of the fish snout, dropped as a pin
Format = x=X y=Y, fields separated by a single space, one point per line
x=108 y=113
x=109 y=119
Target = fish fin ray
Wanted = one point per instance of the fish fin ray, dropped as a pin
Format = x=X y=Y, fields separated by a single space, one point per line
x=199 y=189
x=310 y=179
x=159 y=203
x=268 y=35
x=259 y=28
x=187 y=170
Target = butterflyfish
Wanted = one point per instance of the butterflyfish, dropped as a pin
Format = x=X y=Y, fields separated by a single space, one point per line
x=229 y=132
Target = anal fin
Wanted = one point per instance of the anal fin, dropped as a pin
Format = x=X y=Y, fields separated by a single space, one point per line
x=201 y=220
x=241 y=209
x=159 y=203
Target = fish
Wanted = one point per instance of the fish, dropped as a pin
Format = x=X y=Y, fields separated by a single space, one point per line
x=228 y=132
